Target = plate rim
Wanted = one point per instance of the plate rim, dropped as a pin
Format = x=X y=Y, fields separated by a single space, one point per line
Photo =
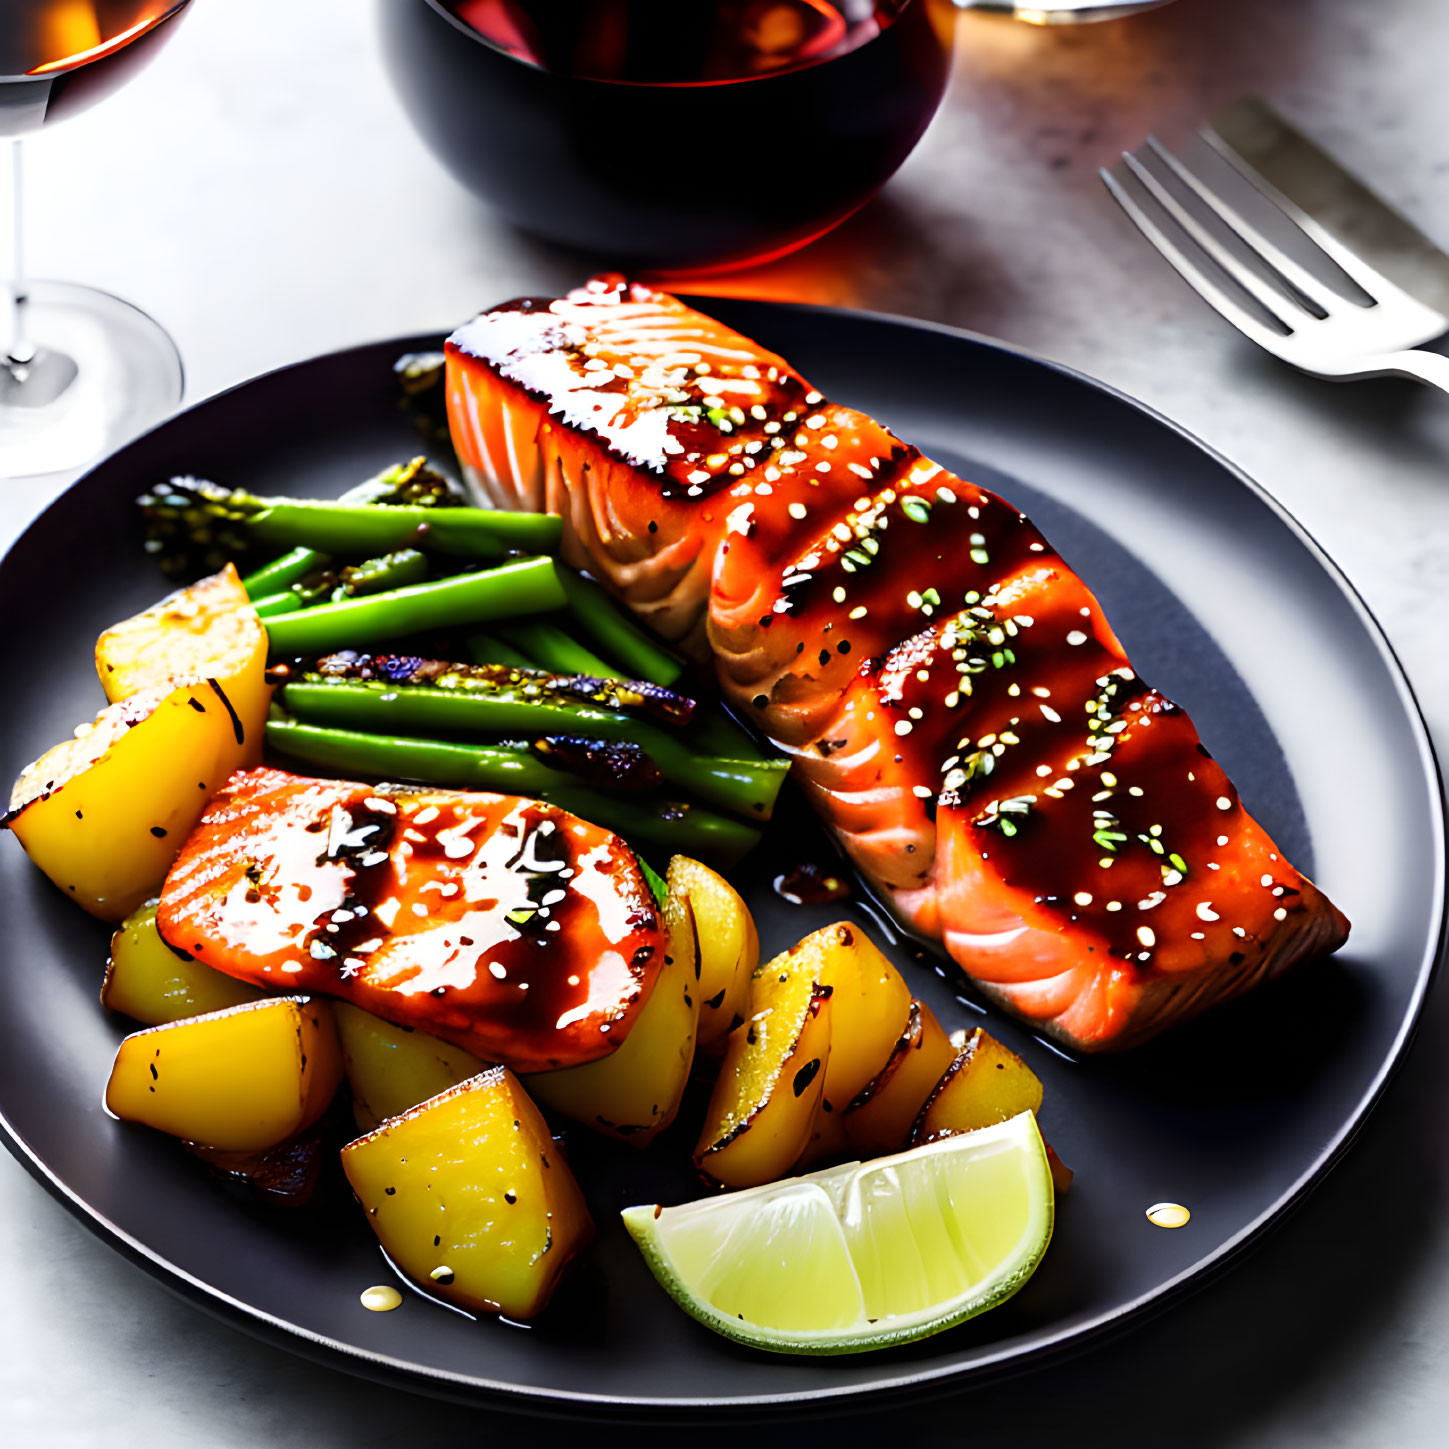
x=1005 y=1361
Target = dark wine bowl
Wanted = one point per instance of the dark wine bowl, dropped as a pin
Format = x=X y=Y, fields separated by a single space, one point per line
x=669 y=176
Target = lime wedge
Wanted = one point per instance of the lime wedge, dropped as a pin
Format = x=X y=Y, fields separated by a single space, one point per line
x=861 y=1256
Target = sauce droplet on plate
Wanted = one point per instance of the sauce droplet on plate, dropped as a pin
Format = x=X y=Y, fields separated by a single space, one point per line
x=1168 y=1215
x=382 y=1299
x=812 y=885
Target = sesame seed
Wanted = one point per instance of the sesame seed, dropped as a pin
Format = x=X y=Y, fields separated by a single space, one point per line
x=1076 y=637
x=903 y=726
x=1083 y=898
x=1224 y=803
x=798 y=510
x=1205 y=912
x=1147 y=936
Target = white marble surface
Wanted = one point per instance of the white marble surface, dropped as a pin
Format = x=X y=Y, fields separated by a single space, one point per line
x=259 y=191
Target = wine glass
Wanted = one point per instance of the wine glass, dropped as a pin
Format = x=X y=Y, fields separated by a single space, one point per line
x=81 y=370
x=671 y=136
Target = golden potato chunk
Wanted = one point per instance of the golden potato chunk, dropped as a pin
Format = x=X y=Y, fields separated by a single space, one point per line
x=104 y=814
x=392 y=1068
x=206 y=631
x=986 y=1083
x=879 y=1120
x=634 y=1092
x=150 y=981
x=469 y=1196
x=870 y=1006
x=239 y=1080
x=764 y=1103
x=729 y=948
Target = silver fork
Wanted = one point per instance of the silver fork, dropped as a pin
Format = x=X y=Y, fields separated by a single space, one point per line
x=1318 y=330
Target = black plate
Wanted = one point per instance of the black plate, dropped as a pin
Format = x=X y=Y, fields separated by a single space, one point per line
x=1239 y=615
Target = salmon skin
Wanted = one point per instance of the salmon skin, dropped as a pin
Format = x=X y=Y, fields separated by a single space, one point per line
x=956 y=705
x=505 y=926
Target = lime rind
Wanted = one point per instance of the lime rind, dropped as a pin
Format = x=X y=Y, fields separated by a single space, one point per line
x=830 y=1263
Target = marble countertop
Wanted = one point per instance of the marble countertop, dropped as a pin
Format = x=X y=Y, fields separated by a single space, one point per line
x=259 y=191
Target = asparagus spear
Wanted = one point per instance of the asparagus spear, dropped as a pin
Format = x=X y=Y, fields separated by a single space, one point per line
x=619 y=637
x=743 y=787
x=486 y=649
x=550 y=648
x=361 y=528
x=527 y=587
x=195 y=527
x=282 y=573
x=624 y=696
x=669 y=825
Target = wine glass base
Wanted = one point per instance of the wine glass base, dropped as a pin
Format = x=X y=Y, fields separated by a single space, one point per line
x=103 y=371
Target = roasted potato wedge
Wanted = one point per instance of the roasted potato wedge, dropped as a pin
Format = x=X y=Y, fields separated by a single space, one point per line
x=208 y=631
x=469 y=1196
x=152 y=982
x=986 y=1083
x=880 y=1118
x=390 y=1069
x=729 y=949
x=634 y=1092
x=870 y=1006
x=240 y=1080
x=104 y=814
x=762 y=1111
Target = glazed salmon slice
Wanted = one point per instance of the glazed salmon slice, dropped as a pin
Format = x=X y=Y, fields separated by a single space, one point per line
x=990 y=693
x=505 y=926
x=840 y=579
x=1127 y=892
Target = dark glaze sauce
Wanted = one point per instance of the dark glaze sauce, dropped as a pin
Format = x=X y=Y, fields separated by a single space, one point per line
x=506 y=926
x=1164 y=865
x=813 y=884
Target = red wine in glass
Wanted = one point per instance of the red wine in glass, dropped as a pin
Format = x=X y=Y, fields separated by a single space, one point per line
x=665 y=42
x=671 y=135
x=81 y=369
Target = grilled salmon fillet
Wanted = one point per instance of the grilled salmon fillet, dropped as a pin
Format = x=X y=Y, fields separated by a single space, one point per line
x=505 y=926
x=954 y=700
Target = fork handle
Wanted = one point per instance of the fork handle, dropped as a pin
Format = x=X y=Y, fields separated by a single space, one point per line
x=1427 y=367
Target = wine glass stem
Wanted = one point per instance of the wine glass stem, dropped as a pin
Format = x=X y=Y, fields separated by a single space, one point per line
x=21 y=351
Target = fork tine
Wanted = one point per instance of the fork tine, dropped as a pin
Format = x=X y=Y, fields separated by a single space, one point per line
x=1190 y=273
x=1289 y=313
x=1298 y=277
x=1373 y=281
